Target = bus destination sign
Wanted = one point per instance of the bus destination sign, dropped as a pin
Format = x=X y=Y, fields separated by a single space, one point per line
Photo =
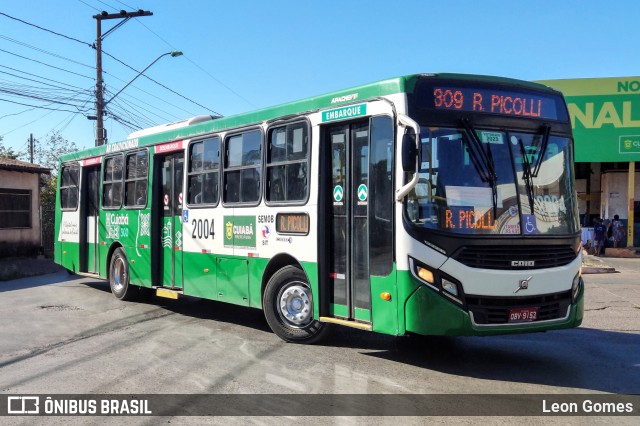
x=502 y=102
x=292 y=223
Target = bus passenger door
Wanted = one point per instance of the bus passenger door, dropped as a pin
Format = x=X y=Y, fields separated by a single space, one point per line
x=90 y=211
x=356 y=206
x=169 y=235
x=348 y=247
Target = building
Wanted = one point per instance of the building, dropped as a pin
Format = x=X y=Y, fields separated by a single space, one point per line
x=605 y=113
x=20 y=226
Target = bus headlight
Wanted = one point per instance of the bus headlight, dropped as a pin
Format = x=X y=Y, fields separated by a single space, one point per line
x=575 y=287
x=437 y=281
x=450 y=287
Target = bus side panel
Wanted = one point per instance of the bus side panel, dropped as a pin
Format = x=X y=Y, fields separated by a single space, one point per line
x=57 y=250
x=385 y=312
x=200 y=275
x=311 y=269
x=68 y=240
x=406 y=287
x=256 y=271
x=135 y=236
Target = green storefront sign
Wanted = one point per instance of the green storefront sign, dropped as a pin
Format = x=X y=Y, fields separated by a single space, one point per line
x=605 y=114
x=240 y=231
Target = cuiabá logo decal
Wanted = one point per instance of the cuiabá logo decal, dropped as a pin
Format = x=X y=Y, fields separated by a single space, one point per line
x=229 y=232
x=240 y=231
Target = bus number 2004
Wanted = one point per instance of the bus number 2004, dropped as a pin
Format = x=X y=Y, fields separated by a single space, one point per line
x=202 y=229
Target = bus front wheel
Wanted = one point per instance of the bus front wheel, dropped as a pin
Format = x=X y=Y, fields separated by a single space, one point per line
x=288 y=307
x=119 y=276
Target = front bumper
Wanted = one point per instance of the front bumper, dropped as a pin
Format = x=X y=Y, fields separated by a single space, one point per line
x=428 y=313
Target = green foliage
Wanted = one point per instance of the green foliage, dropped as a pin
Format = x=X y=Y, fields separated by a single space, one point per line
x=48 y=192
x=8 y=152
x=48 y=152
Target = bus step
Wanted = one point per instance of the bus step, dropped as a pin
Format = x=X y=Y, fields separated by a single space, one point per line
x=348 y=323
x=167 y=293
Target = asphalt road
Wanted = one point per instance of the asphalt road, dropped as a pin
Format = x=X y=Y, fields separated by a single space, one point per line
x=67 y=334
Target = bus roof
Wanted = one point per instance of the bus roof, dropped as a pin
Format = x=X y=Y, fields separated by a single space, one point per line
x=184 y=130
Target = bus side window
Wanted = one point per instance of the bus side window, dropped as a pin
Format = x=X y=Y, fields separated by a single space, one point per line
x=112 y=182
x=203 y=172
x=242 y=167
x=137 y=168
x=69 y=187
x=288 y=163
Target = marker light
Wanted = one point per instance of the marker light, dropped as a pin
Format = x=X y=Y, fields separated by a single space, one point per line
x=575 y=287
x=425 y=274
x=385 y=296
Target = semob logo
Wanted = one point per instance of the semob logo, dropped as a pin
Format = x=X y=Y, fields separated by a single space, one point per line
x=630 y=144
x=23 y=405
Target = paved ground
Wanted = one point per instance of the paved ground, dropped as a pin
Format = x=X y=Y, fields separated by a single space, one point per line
x=11 y=268
x=68 y=334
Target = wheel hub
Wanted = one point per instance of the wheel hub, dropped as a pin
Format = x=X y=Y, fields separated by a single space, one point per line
x=118 y=275
x=295 y=305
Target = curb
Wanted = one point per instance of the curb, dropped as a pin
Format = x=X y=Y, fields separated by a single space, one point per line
x=597 y=270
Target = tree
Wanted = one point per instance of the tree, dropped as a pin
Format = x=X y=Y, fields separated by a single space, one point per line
x=8 y=152
x=48 y=153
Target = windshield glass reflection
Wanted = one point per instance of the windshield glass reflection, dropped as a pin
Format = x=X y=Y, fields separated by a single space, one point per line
x=481 y=187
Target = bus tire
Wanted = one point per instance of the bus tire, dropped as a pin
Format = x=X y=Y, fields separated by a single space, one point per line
x=119 y=277
x=288 y=308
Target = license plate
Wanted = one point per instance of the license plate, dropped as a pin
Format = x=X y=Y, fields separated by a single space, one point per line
x=523 y=314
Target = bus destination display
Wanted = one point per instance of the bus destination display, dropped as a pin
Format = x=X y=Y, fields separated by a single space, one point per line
x=512 y=103
x=292 y=223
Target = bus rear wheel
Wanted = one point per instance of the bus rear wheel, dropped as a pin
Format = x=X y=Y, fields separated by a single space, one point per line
x=288 y=307
x=119 y=277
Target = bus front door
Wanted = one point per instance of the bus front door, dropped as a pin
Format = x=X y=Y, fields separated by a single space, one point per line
x=347 y=251
x=170 y=221
x=90 y=211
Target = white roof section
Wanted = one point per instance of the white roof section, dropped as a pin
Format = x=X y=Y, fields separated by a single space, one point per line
x=170 y=126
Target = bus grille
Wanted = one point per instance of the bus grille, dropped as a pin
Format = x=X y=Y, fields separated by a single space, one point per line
x=503 y=257
x=495 y=310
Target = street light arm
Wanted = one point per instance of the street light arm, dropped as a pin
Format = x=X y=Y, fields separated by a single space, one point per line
x=173 y=55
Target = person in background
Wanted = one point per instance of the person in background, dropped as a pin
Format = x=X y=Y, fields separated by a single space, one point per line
x=617 y=231
x=599 y=234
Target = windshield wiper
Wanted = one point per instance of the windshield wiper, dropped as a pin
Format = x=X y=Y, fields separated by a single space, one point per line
x=546 y=129
x=526 y=173
x=482 y=161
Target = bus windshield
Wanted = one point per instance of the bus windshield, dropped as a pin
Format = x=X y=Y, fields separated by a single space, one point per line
x=493 y=182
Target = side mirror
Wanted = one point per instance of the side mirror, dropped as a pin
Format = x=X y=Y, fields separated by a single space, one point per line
x=409 y=151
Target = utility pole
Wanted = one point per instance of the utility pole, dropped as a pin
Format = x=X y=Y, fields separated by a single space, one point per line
x=31 y=148
x=125 y=16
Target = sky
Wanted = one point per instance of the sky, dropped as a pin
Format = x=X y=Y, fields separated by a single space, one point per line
x=243 y=55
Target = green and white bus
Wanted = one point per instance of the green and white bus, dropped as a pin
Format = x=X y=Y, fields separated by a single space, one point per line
x=431 y=204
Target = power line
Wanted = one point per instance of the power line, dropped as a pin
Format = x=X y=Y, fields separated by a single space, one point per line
x=51 y=111
x=44 y=51
x=188 y=59
x=43 y=63
x=39 y=76
x=38 y=98
x=87 y=4
x=160 y=84
x=40 y=82
x=199 y=67
x=45 y=29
